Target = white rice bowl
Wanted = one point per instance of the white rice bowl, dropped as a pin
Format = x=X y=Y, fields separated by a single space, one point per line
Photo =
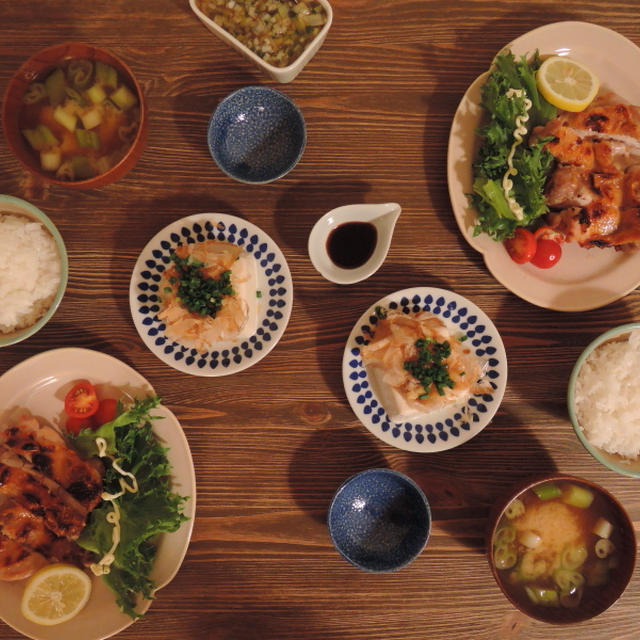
x=607 y=398
x=30 y=271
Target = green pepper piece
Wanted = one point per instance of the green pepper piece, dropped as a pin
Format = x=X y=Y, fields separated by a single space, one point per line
x=88 y=139
x=47 y=135
x=106 y=75
x=34 y=138
x=54 y=84
x=82 y=169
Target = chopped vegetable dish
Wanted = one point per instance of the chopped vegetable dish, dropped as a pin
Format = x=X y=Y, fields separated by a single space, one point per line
x=276 y=30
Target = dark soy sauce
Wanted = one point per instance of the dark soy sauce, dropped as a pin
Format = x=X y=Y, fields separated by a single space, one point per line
x=351 y=244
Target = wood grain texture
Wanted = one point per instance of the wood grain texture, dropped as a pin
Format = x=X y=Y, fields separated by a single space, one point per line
x=272 y=443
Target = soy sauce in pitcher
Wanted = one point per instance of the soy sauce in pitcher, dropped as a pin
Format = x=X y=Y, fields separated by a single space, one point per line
x=351 y=244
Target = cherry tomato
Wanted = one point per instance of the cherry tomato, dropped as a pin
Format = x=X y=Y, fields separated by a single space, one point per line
x=522 y=247
x=76 y=425
x=548 y=252
x=106 y=412
x=81 y=401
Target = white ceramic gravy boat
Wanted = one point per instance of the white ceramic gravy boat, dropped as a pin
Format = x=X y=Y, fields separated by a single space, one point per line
x=382 y=216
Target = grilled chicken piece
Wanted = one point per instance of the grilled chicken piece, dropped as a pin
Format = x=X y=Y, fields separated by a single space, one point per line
x=594 y=191
x=47 y=451
x=25 y=528
x=27 y=491
x=16 y=561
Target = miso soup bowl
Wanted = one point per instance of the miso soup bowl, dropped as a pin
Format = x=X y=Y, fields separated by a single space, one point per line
x=41 y=62
x=593 y=603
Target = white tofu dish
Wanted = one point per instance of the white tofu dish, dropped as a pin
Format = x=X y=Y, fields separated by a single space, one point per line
x=210 y=295
x=417 y=367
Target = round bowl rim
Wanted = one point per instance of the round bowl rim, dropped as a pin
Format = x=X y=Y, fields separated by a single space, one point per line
x=592 y=449
x=386 y=472
x=280 y=95
x=126 y=163
x=527 y=483
x=27 y=332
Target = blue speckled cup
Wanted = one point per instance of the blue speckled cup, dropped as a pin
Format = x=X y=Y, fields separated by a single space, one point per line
x=379 y=520
x=256 y=135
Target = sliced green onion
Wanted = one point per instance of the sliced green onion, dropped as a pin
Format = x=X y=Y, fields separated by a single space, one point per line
x=573 y=557
x=504 y=535
x=505 y=556
x=542 y=596
x=602 y=528
x=578 y=497
x=529 y=539
x=547 y=491
x=604 y=548
x=568 y=580
x=515 y=509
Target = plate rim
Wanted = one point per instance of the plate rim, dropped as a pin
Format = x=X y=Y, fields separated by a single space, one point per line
x=227 y=219
x=604 y=298
x=397 y=442
x=60 y=352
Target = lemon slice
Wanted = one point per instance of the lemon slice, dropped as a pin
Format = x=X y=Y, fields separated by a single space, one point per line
x=567 y=84
x=55 y=594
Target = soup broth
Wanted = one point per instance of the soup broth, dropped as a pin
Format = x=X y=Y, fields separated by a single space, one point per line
x=557 y=546
x=79 y=119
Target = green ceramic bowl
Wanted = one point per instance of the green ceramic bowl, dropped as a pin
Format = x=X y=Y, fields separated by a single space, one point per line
x=615 y=462
x=9 y=204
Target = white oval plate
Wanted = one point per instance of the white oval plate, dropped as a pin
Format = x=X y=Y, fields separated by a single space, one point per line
x=448 y=427
x=274 y=282
x=39 y=385
x=584 y=278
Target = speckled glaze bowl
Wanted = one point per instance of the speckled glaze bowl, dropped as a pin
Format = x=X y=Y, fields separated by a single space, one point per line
x=614 y=461
x=256 y=135
x=379 y=520
x=16 y=206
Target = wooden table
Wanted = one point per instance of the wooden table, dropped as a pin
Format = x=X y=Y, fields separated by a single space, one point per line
x=271 y=444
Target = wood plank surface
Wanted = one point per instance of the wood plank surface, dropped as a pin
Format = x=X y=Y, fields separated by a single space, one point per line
x=271 y=444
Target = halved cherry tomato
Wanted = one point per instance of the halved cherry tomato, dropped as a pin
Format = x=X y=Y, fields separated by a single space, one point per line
x=522 y=247
x=81 y=401
x=106 y=412
x=76 y=425
x=548 y=252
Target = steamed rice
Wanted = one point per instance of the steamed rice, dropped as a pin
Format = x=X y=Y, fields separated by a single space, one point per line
x=30 y=272
x=607 y=398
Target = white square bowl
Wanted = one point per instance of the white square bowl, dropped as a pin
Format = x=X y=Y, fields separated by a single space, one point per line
x=280 y=74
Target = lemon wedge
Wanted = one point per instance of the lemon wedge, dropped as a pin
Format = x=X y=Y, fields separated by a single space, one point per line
x=567 y=84
x=55 y=594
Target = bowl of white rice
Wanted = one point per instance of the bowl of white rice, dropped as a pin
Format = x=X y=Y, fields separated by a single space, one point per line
x=604 y=399
x=33 y=269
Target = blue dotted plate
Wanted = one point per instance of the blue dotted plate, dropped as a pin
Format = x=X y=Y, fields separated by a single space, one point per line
x=445 y=428
x=274 y=283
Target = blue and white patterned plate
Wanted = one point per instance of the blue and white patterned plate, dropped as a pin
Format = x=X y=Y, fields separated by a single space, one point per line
x=445 y=428
x=273 y=282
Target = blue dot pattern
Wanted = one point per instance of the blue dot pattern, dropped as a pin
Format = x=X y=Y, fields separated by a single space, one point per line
x=460 y=423
x=273 y=297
